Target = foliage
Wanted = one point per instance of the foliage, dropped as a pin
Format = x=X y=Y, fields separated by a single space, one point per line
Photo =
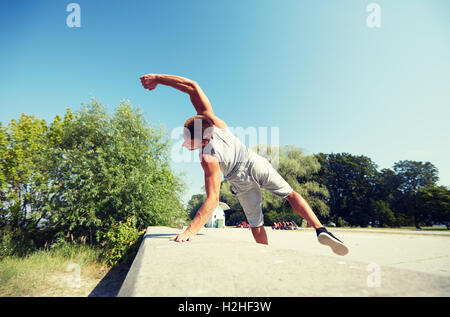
x=351 y=182
x=118 y=240
x=413 y=176
x=348 y=190
x=361 y=195
x=22 y=145
x=82 y=174
x=433 y=203
x=12 y=242
x=194 y=204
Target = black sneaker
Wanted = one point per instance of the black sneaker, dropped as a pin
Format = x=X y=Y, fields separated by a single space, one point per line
x=327 y=238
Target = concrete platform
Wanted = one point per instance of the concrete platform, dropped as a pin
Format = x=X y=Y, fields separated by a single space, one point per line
x=221 y=263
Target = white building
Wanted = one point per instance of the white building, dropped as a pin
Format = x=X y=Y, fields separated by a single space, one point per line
x=217 y=219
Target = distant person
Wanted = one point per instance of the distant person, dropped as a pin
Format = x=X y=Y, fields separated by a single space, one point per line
x=274 y=226
x=246 y=171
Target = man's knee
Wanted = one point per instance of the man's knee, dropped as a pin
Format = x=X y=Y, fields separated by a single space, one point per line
x=257 y=229
x=259 y=233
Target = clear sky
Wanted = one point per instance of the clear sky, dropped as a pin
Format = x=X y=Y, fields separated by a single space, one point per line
x=312 y=68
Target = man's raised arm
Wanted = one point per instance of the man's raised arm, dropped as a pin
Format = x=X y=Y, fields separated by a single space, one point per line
x=198 y=97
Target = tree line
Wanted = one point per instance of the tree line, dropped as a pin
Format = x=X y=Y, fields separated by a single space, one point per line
x=348 y=190
x=82 y=176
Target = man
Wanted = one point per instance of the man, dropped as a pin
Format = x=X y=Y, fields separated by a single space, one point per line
x=246 y=171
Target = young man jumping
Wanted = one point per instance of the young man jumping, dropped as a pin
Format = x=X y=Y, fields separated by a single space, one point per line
x=246 y=171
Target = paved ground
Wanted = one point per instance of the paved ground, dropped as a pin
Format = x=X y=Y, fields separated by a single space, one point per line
x=226 y=262
x=427 y=252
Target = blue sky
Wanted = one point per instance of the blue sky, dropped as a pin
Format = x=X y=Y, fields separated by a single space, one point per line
x=312 y=68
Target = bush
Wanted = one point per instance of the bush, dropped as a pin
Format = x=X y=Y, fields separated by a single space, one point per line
x=83 y=173
x=341 y=222
x=121 y=242
x=14 y=243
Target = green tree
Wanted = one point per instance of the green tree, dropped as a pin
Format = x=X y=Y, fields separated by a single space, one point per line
x=434 y=204
x=194 y=204
x=3 y=152
x=85 y=173
x=22 y=181
x=413 y=176
x=384 y=199
x=109 y=169
x=383 y=215
x=351 y=182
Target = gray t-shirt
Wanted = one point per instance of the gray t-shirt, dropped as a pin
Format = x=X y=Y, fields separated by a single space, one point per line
x=229 y=150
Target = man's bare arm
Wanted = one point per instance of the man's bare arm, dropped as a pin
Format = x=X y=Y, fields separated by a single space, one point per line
x=198 y=98
x=212 y=185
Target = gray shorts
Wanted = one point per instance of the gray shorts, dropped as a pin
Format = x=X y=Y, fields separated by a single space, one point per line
x=246 y=184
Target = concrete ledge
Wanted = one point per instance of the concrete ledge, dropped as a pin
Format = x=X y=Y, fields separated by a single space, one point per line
x=214 y=266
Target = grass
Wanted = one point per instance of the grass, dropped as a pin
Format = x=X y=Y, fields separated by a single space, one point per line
x=437 y=229
x=430 y=228
x=64 y=271
x=434 y=227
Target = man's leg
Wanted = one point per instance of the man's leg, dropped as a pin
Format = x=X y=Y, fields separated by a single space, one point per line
x=251 y=202
x=264 y=173
x=303 y=209
x=259 y=233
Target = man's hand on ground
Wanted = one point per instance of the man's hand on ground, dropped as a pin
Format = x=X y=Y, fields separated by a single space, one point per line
x=149 y=81
x=184 y=237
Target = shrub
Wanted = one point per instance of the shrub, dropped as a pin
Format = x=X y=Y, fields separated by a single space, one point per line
x=341 y=222
x=14 y=243
x=121 y=242
x=83 y=173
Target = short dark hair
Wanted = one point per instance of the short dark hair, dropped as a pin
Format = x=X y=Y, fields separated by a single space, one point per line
x=206 y=124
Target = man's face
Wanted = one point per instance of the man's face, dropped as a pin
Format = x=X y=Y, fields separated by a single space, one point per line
x=192 y=144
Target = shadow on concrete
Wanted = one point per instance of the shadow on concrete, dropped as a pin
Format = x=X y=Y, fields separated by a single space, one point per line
x=110 y=285
x=164 y=235
x=159 y=236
